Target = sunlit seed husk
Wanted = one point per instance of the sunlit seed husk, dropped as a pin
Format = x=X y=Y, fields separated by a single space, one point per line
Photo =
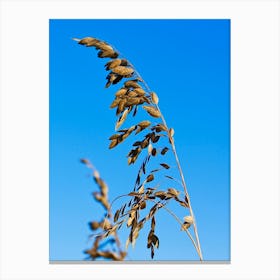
x=107 y=53
x=173 y=191
x=121 y=106
x=154 y=97
x=143 y=204
x=114 y=136
x=160 y=194
x=115 y=103
x=144 y=143
x=188 y=219
x=145 y=99
x=132 y=101
x=132 y=94
x=88 y=40
x=113 y=143
x=150 y=148
x=121 y=119
x=116 y=79
x=104 y=47
x=122 y=70
x=141 y=190
x=144 y=124
x=132 y=83
x=150 y=178
x=152 y=111
x=129 y=160
x=139 y=91
x=121 y=92
x=113 y=63
x=161 y=127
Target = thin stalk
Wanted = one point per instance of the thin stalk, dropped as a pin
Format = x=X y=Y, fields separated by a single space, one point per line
x=178 y=165
x=178 y=220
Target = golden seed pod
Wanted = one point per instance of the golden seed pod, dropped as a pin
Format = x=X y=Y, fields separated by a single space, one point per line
x=188 y=219
x=121 y=92
x=154 y=97
x=122 y=70
x=144 y=124
x=107 y=53
x=152 y=111
x=132 y=83
x=132 y=101
x=113 y=63
x=173 y=191
x=94 y=225
x=132 y=94
x=139 y=91
x=121 y=119
x=113 y=143
x=87 y=40
x=150 y=148
x=115 y=103
x=150 y=178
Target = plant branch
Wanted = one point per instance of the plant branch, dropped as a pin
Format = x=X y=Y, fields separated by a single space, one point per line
x=178 y=165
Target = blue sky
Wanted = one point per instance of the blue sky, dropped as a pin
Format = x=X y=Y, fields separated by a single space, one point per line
x=187 y=63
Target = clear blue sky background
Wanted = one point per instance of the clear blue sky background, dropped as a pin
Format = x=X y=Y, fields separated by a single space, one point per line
x=187 y=62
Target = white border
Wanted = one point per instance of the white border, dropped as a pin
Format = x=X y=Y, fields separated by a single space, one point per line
x=254 y=128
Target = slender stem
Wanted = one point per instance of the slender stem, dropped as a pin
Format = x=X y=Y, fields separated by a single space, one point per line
x=178 y=165
x=178 y=220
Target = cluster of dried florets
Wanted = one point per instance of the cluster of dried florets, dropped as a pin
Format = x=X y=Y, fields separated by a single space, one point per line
x=133 y=93
x=101 y=242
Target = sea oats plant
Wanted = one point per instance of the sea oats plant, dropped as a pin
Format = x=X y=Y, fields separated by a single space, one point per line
x=148 y=196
